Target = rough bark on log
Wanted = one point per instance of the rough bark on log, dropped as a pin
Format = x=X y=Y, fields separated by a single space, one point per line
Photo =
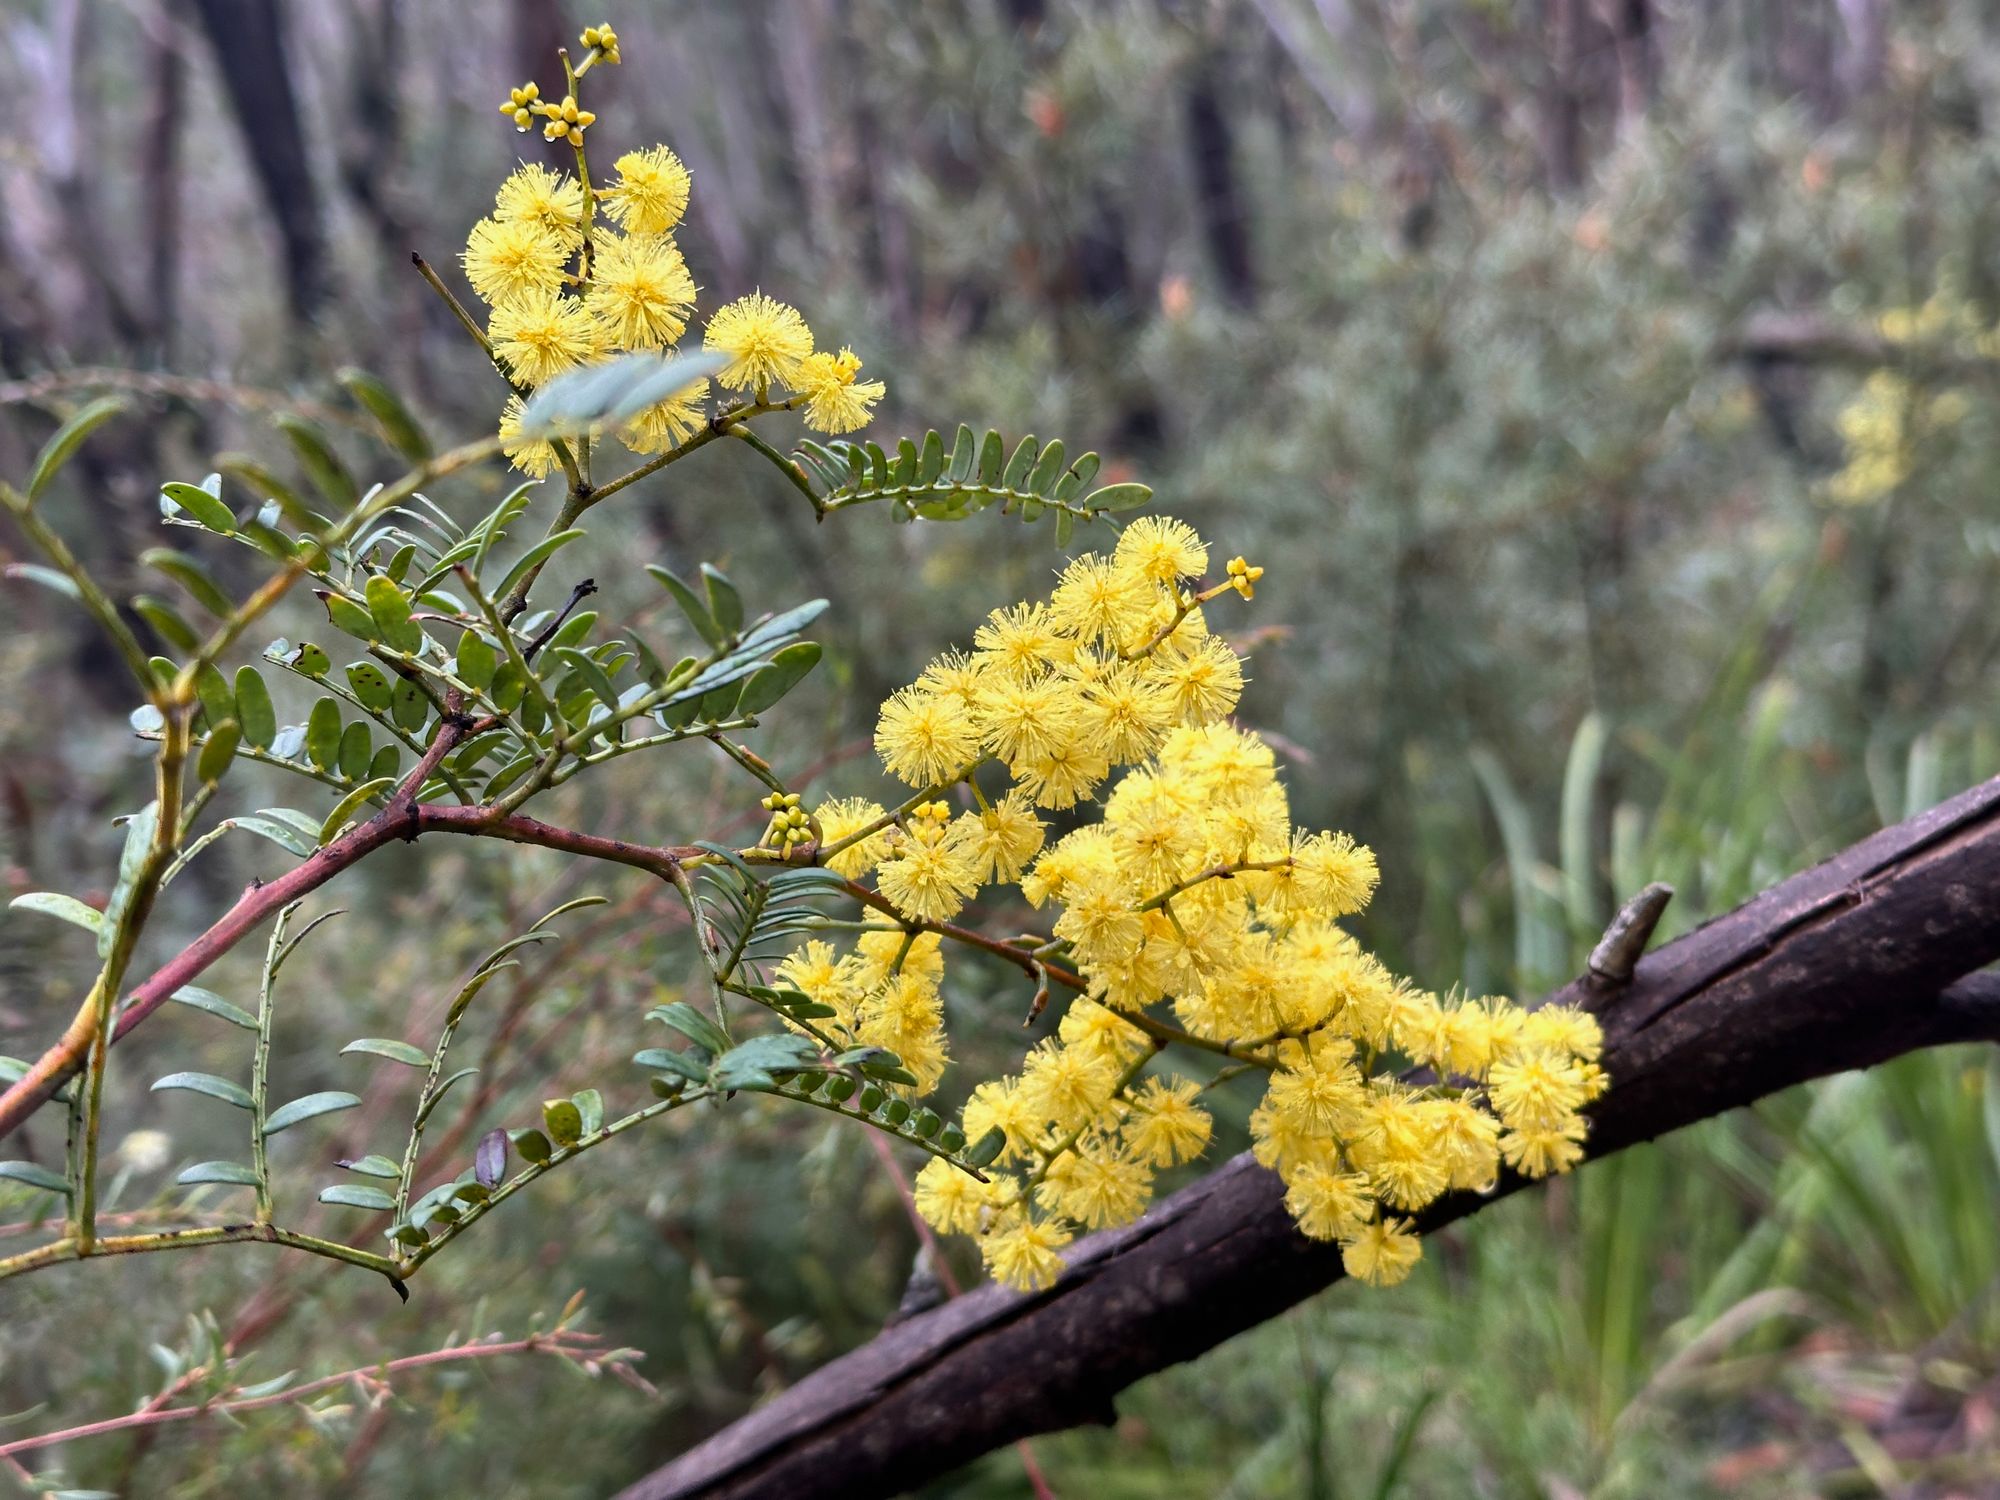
x=1845 y=965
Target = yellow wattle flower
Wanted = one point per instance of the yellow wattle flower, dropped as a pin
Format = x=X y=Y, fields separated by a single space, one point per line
x=552 y=200
x=542 y=334
x=669 y=423
x=835 y=401
x=640 y=291
x=1383 y=1253
x=534 y=457
x=651 y=193
x=508 y=259
x=766 y=341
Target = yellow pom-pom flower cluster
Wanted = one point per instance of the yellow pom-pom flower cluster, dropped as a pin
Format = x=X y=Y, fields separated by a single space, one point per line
x=1190 y=912
x=572 y=277
x=886 y=993
x=1894 y=416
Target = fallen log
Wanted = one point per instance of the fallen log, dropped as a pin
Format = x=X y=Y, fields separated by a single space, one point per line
x=1858 y=960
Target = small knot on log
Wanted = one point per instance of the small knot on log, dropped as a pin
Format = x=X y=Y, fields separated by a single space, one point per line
x=1616 y=955
x=924 y=1290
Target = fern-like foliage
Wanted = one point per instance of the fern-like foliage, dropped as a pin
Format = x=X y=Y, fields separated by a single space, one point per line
x=927 y=481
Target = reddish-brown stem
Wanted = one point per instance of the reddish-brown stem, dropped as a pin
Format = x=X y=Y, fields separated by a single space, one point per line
x=403 y=818
x=61 y=1062
x=519 y=828
x=565 y=1344
x=1019 y=957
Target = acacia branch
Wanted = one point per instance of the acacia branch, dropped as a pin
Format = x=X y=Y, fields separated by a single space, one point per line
x=1846 y=965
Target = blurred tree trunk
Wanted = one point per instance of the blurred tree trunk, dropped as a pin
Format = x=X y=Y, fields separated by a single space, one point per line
x=1630 y=23
x=1866 y=45
x=1562 y=95
x=1219 y=204
x=1353 y=109
x=540 y=31
x=821 y=156
x=715 y=211
x=249 y=43
x=888 y=242
x=83 y=306
x=1802 y=58
x=160 y=173
x=373 y=119
x=1094 y=275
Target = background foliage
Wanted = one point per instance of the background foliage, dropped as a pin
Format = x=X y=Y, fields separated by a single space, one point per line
x=1522 y=342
